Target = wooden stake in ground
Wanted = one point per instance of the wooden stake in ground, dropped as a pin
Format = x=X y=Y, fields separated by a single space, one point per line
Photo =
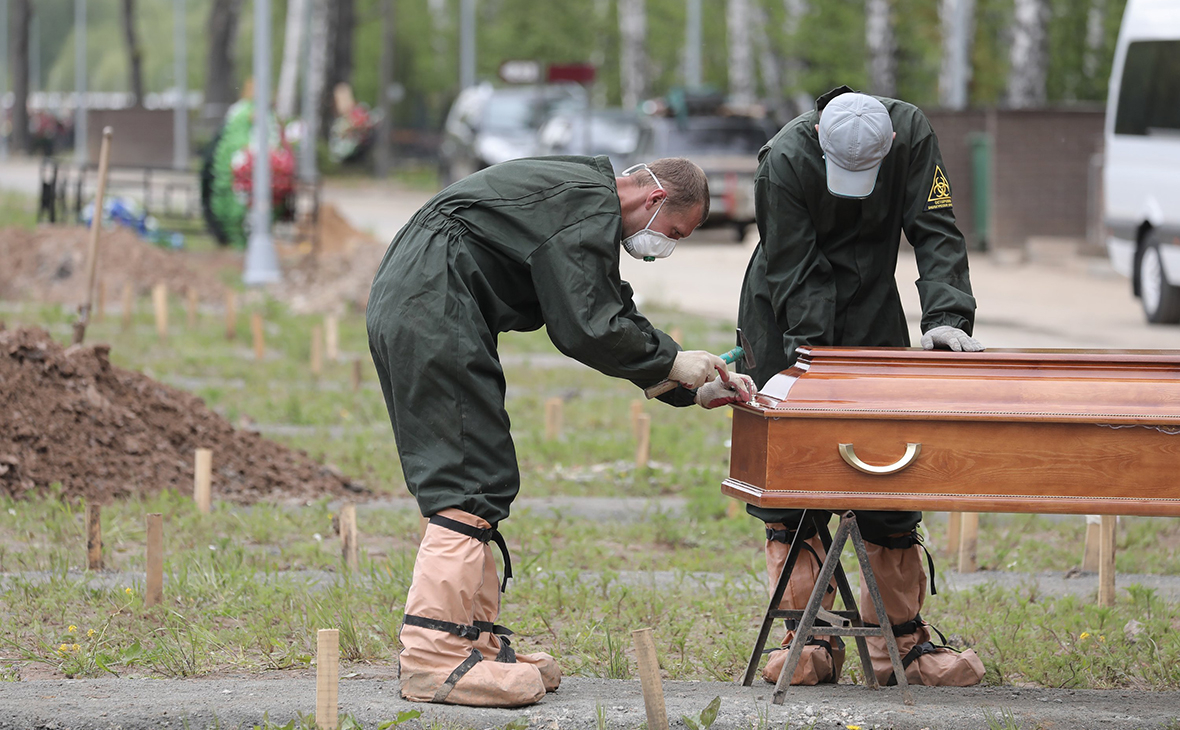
x=128 y=305
x=203 y=480
x=643 y=450
x=969 y=542
x=553 y=419
x=327 y=679
x=191 y=308
x=954 y=531
x=93 y=537
x=1106 y=560
x=348 y=534
x=160 y=304
x=100 y=311
x=636 y=410
x=649 y=680
x=259 y=341
x=231 y=315
x=356 y=375
x=332 y=338
x=154 y=585
x=1090 y=554
x=104 y=156
x=317 y=360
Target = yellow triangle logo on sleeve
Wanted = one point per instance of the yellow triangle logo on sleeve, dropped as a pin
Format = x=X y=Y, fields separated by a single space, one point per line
x=940 y=191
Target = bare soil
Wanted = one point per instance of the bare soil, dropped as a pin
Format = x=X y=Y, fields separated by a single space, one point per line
x=49 y=265
x=68 y=416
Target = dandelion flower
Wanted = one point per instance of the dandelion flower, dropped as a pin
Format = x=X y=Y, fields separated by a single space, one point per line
x=128 y=591
x=89 y=632
x=62 y=648
x=1084 y=635
x=1101 y=637
x=853 y=727
x=72 y=628
x=75 y=647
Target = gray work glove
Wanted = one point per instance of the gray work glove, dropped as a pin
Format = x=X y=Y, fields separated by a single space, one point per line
x=739 y=389
x=694 y=368
x=950 y=338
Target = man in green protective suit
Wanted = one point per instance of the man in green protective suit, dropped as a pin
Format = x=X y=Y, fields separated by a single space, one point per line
x=511 y=248
x=834 y=191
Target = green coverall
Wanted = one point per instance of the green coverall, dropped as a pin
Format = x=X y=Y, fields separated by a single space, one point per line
x=823 y=272
x=519 y=245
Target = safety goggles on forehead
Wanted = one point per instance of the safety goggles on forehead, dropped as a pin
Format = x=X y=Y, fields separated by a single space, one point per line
x=643 y=166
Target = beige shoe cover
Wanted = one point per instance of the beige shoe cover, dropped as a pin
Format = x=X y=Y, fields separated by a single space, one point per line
x=816 y=665
x=448 y=574
x=901 y=578
x=497 y=648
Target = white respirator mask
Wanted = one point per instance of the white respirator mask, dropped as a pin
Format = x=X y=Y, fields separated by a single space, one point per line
x=647 y=244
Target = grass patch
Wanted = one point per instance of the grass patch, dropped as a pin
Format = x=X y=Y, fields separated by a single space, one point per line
x=246 y=588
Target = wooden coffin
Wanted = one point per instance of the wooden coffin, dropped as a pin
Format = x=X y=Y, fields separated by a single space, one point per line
x=1046 y=431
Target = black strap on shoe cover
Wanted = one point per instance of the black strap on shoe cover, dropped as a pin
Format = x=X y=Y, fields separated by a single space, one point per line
x=904 y=542
x=463 y=631
x=484 y=535
x=507 y=654
x=472 y=659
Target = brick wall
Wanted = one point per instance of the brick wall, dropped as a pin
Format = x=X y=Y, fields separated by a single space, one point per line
x=1040 y=171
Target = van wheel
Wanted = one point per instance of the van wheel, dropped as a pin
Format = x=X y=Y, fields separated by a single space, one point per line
x=1161 y=300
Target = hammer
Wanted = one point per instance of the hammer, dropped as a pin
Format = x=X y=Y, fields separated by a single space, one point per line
x=742 y=351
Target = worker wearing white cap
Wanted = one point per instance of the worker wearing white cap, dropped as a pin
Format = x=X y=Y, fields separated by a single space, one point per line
x=834 y=191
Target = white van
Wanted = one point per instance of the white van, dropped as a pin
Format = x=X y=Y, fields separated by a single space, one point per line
x=1141 y=171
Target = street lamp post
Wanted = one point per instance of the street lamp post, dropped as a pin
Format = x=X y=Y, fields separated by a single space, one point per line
x=262 y=265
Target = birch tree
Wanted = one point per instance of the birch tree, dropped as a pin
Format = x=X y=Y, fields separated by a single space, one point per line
x=882 y=47
x=21 y=18
x=633 y=52
x=1028 y=59
x=957 y=20
x=741 y=60
x=292 y=54
x=769 y=62
x=795 y=66
x=317 y=63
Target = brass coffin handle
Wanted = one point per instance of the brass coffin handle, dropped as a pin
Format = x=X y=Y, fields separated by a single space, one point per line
x=848 y=454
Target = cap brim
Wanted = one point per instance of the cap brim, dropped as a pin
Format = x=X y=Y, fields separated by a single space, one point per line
x=849 y=183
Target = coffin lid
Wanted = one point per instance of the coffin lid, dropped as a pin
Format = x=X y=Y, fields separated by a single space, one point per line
x=1091 y=386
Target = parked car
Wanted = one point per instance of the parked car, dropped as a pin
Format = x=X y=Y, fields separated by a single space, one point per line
x=1141 y=169
x=726 y=148
x=486 y=125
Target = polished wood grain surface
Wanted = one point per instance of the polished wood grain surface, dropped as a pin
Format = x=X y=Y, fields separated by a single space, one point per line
x=1045 y=431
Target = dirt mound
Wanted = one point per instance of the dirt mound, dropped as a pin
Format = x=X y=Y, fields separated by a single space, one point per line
x=49 y=265
x=69 y=416
x=338 y=276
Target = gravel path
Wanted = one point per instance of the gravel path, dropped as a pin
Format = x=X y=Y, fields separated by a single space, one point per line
x=243 y=702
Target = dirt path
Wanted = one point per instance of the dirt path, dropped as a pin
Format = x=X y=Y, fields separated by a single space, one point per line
x=371 y=698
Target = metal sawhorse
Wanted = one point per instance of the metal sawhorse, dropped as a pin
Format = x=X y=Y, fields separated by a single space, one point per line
x=841 y=623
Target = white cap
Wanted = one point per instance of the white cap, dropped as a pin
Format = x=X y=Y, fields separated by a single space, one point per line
x=855 y=133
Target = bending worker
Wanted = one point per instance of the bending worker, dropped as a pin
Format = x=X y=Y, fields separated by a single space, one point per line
x=511 y=248
x=835 y=188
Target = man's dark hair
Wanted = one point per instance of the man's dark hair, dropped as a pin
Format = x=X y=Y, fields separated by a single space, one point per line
x=684 y=181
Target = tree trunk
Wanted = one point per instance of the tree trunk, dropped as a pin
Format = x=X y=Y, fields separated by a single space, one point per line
x=292 y=53
x=741 y=60
x=341 y=24
x=795 y=66
x=317 y=65
x=958 y=27
x=769 y=62
x=134 y=54
x=220 y=64
x=383 y=153
x=19 y=54
x=1095 y=39
x=633 y=53
x=882 y=47
x=1029 y=56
